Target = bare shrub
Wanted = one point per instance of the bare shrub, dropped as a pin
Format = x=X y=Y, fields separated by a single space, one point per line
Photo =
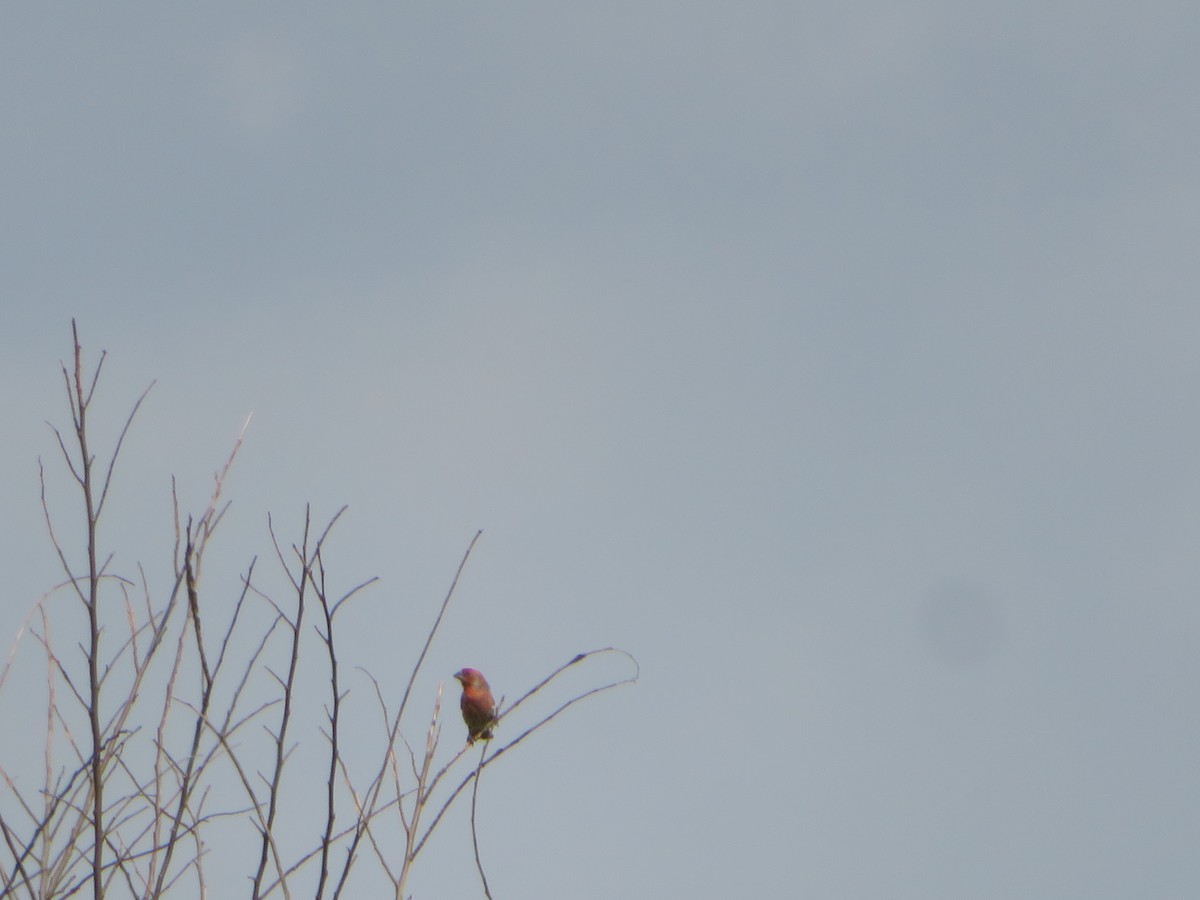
x=156 y=713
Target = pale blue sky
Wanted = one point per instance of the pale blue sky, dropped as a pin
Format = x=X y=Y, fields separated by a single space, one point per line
x=838 y=361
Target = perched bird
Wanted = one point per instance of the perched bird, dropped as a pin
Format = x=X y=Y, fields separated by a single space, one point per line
x=478 y=705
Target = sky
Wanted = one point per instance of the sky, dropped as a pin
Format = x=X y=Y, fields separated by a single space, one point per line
x=838 y=362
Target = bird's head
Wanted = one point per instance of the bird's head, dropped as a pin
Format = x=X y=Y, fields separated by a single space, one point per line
x=470 y=678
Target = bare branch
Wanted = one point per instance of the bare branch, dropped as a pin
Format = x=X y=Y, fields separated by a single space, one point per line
x=112 y=460
x=474 y=831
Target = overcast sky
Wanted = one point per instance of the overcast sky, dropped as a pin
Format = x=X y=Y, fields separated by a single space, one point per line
x=838 y=361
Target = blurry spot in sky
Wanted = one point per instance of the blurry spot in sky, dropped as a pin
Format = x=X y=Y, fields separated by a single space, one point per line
x=259 y=83
x=960 y=625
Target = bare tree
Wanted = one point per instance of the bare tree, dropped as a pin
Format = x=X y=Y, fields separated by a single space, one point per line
x=151 y=719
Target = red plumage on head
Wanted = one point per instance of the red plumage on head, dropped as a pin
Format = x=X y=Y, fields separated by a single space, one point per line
x=477 y=704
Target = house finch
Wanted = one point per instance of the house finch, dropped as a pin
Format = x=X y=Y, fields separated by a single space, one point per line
x=478 y=705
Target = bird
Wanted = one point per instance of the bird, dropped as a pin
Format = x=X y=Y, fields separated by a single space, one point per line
x=477 y=704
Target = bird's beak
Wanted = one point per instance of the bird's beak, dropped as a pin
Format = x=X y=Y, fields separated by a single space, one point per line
x=458 y=677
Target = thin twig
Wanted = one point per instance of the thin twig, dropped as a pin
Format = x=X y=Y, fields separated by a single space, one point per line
x=474 y=832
